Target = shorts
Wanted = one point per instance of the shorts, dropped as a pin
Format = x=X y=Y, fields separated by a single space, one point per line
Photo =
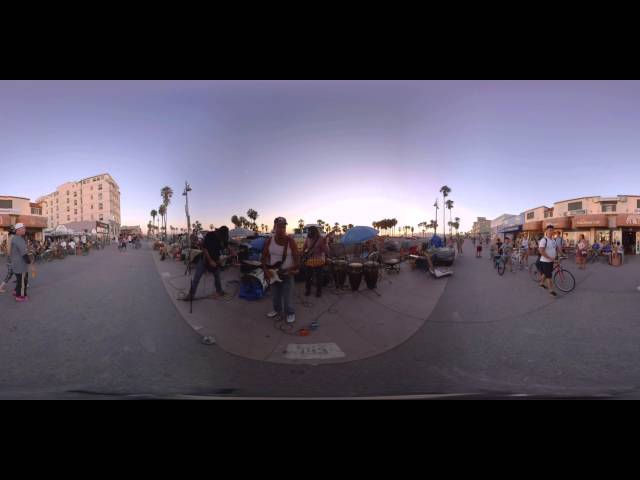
x=479 y=248
x=546 y=268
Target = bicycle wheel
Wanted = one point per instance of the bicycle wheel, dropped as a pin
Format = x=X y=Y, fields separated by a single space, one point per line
x=501 y=266
x=534 y=273
x=564 y=280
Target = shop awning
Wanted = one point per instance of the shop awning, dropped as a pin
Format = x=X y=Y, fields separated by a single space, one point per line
x=535 y=226
x=586 y=221
x=561 y=223
x=509 y=228
x=628 y=220
x=32 y=221
x=5 y=221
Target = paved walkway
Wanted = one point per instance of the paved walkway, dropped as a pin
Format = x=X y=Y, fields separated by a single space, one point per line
x=352 y=325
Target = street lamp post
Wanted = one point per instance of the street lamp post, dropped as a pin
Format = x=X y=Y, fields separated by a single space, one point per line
x=187 y=189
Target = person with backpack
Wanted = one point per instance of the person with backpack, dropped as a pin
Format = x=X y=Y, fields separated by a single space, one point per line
x=548 y=250
x=280 y=254
x=315 y=252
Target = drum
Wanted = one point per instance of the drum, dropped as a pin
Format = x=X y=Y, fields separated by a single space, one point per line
x=339 y=272
x=355 y=275
x=371 y=274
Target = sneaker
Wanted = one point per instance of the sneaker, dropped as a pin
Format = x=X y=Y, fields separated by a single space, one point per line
x=21 y=299
x=272 y=314
x=291 y=318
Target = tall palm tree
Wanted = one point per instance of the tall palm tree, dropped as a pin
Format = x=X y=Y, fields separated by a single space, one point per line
x=457 y=222
x=301 y=224
x=162 y=211
x=166 y=193
x=154 y=214
x=445 y=193
x=235 y=220
x=449 y=204
x=411 y=231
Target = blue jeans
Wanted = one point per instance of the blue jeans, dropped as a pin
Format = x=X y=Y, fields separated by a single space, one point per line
x=282 y=293
x=201 y=268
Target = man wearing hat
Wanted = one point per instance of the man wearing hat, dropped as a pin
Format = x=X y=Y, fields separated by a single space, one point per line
x=548 y=252
x=281 y=250
x=7 y=279
x=20 y=261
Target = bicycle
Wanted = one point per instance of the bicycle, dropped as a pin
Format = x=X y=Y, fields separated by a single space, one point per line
x=562 y=278
x=499 y=263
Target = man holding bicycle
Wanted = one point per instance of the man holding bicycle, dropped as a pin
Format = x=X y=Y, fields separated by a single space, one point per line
x=548 y=249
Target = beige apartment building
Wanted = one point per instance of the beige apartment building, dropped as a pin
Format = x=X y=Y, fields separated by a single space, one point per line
x=481 y=227
x=95 y=199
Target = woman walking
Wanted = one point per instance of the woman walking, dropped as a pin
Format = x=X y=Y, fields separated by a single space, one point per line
x=581 y=252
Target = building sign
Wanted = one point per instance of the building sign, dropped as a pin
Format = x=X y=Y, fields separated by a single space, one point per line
x=33 y=221
x=535 y=226
x=561 y=223
x=590 y=221
x=628 y=220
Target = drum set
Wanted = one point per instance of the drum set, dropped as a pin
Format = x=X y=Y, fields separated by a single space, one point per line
x=354 y=271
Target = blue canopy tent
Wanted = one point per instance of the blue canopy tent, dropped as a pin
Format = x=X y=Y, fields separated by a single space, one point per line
x=359 y=235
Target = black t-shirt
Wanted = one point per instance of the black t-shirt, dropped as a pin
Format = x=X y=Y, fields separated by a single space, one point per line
x=213 y=245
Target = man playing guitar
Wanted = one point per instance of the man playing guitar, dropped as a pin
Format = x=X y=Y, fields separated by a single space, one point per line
x=280 y=262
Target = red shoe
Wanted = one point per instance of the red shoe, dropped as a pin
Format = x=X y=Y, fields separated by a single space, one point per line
x=21 y=299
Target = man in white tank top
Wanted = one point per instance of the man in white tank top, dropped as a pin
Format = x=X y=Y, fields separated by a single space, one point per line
x=274 y=250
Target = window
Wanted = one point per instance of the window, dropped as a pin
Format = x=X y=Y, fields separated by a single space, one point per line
x=67 y=209
x=91 y=207
x=67 y=200
x=75 y=203
x=100 y=187
x=75 y=194
x=608 y=206
x=638 y=204
x=101 y=217
x=530 y=215
x=75 y=211
x=68 y=218
x=6 y=203
x=99 y=206
x=99 y=196
x=575 y=206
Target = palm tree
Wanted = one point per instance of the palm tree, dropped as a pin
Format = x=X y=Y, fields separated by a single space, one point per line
x=457 y=222
x=301 y=224
x=166 y=193
x=449 y=204
x=162 y=211
x=344 y=229
x=197 y=227
x=411 y=231
x=253 y=215
x=154 y=214
x=350 y=225
x=445 y=193
x=235 y=220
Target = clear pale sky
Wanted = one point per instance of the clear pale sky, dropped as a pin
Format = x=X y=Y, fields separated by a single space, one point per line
x=342 y=151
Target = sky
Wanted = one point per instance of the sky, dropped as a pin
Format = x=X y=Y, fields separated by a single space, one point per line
x=340 y=151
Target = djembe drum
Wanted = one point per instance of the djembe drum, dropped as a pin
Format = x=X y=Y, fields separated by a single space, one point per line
x=355 y=275
x=339 y=272
x=371 y=274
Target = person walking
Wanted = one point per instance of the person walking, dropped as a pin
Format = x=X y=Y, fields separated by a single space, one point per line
x=548 y=251
x=10 y=272
x=582 y=250
x=20 y=260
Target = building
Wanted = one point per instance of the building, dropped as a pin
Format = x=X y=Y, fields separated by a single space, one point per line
x=99 y=229
x=481 y=227
x=511 y=226
x=610 y=219
x=496 y=223
x=93 y=199
x=135 y=230
x=21 y=210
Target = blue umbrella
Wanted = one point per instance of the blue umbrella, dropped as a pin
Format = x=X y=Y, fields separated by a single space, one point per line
x=258 y=243
x=359 y=235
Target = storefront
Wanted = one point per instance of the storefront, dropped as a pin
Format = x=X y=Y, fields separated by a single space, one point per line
x=593 y=227
x=532 y=230
x=561 y=225
x=34 y=225
x=629 y=228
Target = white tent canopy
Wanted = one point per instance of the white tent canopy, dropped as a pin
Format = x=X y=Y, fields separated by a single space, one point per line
x=241 y=232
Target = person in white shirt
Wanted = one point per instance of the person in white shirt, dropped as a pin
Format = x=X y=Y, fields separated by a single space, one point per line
x=72 y=246
x=548 y=251
x=524 y=245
